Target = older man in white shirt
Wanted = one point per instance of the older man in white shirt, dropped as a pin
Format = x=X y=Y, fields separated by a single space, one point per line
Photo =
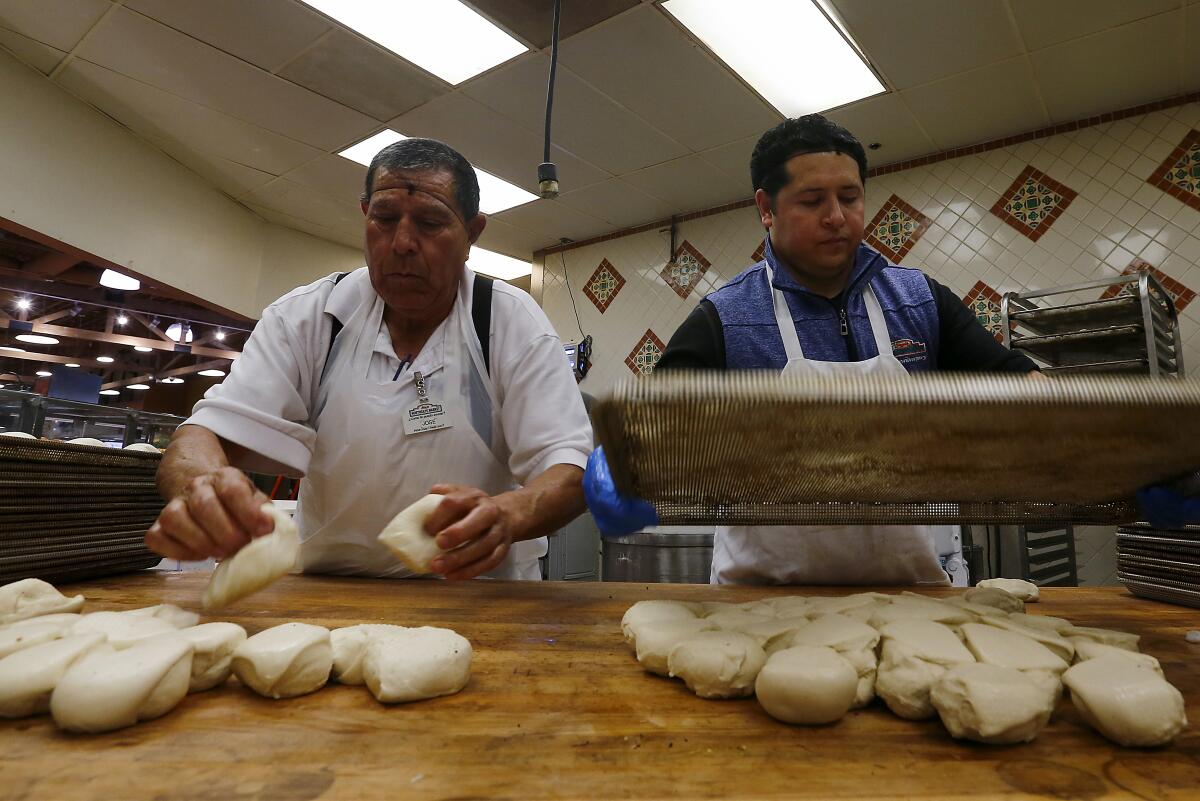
x=382 y=385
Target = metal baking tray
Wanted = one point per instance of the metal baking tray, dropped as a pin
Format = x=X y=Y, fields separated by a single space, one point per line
x=1111 y=343
x=1121 y=310
x=1163 y=568
x=1158 y=592
x=1123 y=366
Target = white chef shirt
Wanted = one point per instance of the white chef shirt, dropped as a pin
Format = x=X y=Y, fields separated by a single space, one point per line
x=266 y=403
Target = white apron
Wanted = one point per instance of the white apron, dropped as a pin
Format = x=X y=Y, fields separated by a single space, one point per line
x=365 y=469
x=833 y=555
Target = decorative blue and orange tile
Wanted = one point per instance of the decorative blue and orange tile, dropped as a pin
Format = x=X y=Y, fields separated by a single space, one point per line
x=686 y=268
x=1033 y=202
x=602 y=288
x=1179 y=174
x=645 y=354
x=896 y=228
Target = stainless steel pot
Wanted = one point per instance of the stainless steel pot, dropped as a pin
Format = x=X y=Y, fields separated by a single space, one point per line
x=668 y=554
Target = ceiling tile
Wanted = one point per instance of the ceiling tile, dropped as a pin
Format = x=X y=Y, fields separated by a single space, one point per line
x=585 y=122
x=887 y=120
x=362 y=76
x=164 y=118
x=924 y=40
x=344 y=236
x=493 y=142
x=532 y=20
x=976 y=106
x=42 y=58
x=148 y=51
x=58 y=23
x=1121 y=67
x=617 y=202
x=1042 y=24
x=308 y=204
x=688 y=184
x=511 y=240
x=332 y=176
x=663 y=76
x=733 y=159
x=552 y=220
x=267 y=33
x=230 y=177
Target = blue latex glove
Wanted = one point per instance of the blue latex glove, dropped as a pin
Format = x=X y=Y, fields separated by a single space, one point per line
x=614 y=513
x=1167 y=508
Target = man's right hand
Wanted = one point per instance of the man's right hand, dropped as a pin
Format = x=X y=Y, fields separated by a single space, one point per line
x=214 y=515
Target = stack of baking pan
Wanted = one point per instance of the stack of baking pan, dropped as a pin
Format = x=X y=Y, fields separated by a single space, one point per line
x=74 y=512
x=1162 y=564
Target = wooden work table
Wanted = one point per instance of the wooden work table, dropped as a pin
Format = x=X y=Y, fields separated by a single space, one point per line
x=558 y=707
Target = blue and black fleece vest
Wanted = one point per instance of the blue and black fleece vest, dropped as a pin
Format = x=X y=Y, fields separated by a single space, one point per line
x=752 y=339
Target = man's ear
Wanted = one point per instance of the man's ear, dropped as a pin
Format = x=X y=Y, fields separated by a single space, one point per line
x=475 y=226
x=364 y=204
x=765 y=211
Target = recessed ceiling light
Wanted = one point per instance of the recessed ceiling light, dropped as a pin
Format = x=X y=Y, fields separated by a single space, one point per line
x=172 y=380
x=122 y=319
x=138 y=386
x=220 y=336
x=115 y=280
x=474 y=45
x=175 y=332
x=24 y=304
x=142 y=349
x=105 y=359
x=110 y=392
x=14 y=350
x=36 y=339
x=495 y=194
x=497 y=265
x=212 y=373
x=799 y=40
x=70 y=364
x=44 y=373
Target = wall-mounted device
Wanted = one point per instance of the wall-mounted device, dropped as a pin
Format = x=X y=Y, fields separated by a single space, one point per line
x=579 y=356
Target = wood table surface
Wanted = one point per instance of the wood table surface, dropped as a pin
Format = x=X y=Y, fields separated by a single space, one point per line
x=557 y=707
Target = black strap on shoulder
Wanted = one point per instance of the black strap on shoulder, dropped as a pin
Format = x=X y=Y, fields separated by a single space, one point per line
x=337 y=324
x=481 y=315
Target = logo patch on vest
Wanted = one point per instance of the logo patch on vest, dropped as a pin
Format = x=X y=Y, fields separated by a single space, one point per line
x=908 y=350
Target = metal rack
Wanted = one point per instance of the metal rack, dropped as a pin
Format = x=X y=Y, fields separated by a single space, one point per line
x=1133 y=332
x=55 y=418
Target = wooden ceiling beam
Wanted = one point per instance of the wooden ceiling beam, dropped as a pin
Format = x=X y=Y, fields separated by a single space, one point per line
x=115 y=339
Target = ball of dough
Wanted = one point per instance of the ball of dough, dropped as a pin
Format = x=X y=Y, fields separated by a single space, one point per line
x=717 y=664
x=855 y=642
x=407 y=538
x=28 y=677
x=145 y=447
x=285 y=661
x=1126 y=702
x=1027 y=591
x=33 y=597
x=107 y=689
x=994 y=596
x=992 y=704
x=416 y=664
x=262 y=561
x=213 y=645
x=648 y=611
x=17 y=435
x=808 y=685
x=736 y=619
x=915 y=655
x=656 y=638
x=769 y=634
x=121 y=628
x=350 y=646
x=18 y=638
x=92 y=441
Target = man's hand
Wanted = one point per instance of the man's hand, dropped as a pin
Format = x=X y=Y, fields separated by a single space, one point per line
x=215 y=514
x=473 y=526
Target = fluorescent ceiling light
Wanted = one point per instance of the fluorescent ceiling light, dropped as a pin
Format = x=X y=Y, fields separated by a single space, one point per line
x=36 y=339
x=175 y=331
x=11 y=348
x=495 y=194
x=788 y=50
x=171 y=380
x=142 y=349
x=212 y=373
x=114 y=280
x=497 y=265
x=110 y=392
x=138 y=386
x=44 y=373
x=105 y=359
x=444 y=37
x=70 y=364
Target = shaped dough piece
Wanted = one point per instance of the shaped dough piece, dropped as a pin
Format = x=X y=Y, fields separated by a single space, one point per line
x=1117 y=639
x=994 y=596
x=844 y=604
x=854 y=641
x=807 y=685
x=647 y=611
x=350 y=646
x=407 y=538
x=907 y=607
x=64 y=621
x=996 y=646
x=179 y=618
x=18 y=638
x=1061 y=646
x=285 y=661
x=32 y=597
x=915 y=655
x=145 y=447
x=656 y=639
x=789 y=605
x=717 y=664
x=121 y=629
x=771 y=632
x=95 y=443
x=979 y=610
x=17 y=435
x=736 y=619
x=1058 y=625
x=416 y=664
x=1094 y=650
x=213 y=645
x=992 y=704
x=29 y=676
x=1127 y=703
x=1027 y=591
x=107 y=689
x=262 y=561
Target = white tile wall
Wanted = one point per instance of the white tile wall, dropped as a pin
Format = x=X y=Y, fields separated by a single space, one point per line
x=1116 y=217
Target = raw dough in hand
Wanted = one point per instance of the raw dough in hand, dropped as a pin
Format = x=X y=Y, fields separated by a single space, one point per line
x=648 y=611
x=27 y=678
x=121 y=628
x=260 y=562
x=915 y=655
x=717 y=664
x=656 y=639
x=1127 y=703
x=416 y=664
x=212 y=656
x=106 y=689
x=1027 y=591
x=18 y=638
x=33 y=597
x=350 y=646
x=285 y=661
x=993 y=704
x=407 y=538
x=807 y=685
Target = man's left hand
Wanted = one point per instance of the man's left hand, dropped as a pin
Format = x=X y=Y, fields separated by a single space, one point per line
x=473 y=527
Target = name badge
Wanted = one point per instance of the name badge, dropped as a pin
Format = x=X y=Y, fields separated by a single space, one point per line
x=425 y=415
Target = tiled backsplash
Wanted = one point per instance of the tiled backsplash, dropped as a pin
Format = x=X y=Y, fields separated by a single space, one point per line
x=1087 y=204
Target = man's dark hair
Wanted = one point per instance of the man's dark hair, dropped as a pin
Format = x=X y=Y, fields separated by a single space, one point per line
x=811 y=133
x=429 y=154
